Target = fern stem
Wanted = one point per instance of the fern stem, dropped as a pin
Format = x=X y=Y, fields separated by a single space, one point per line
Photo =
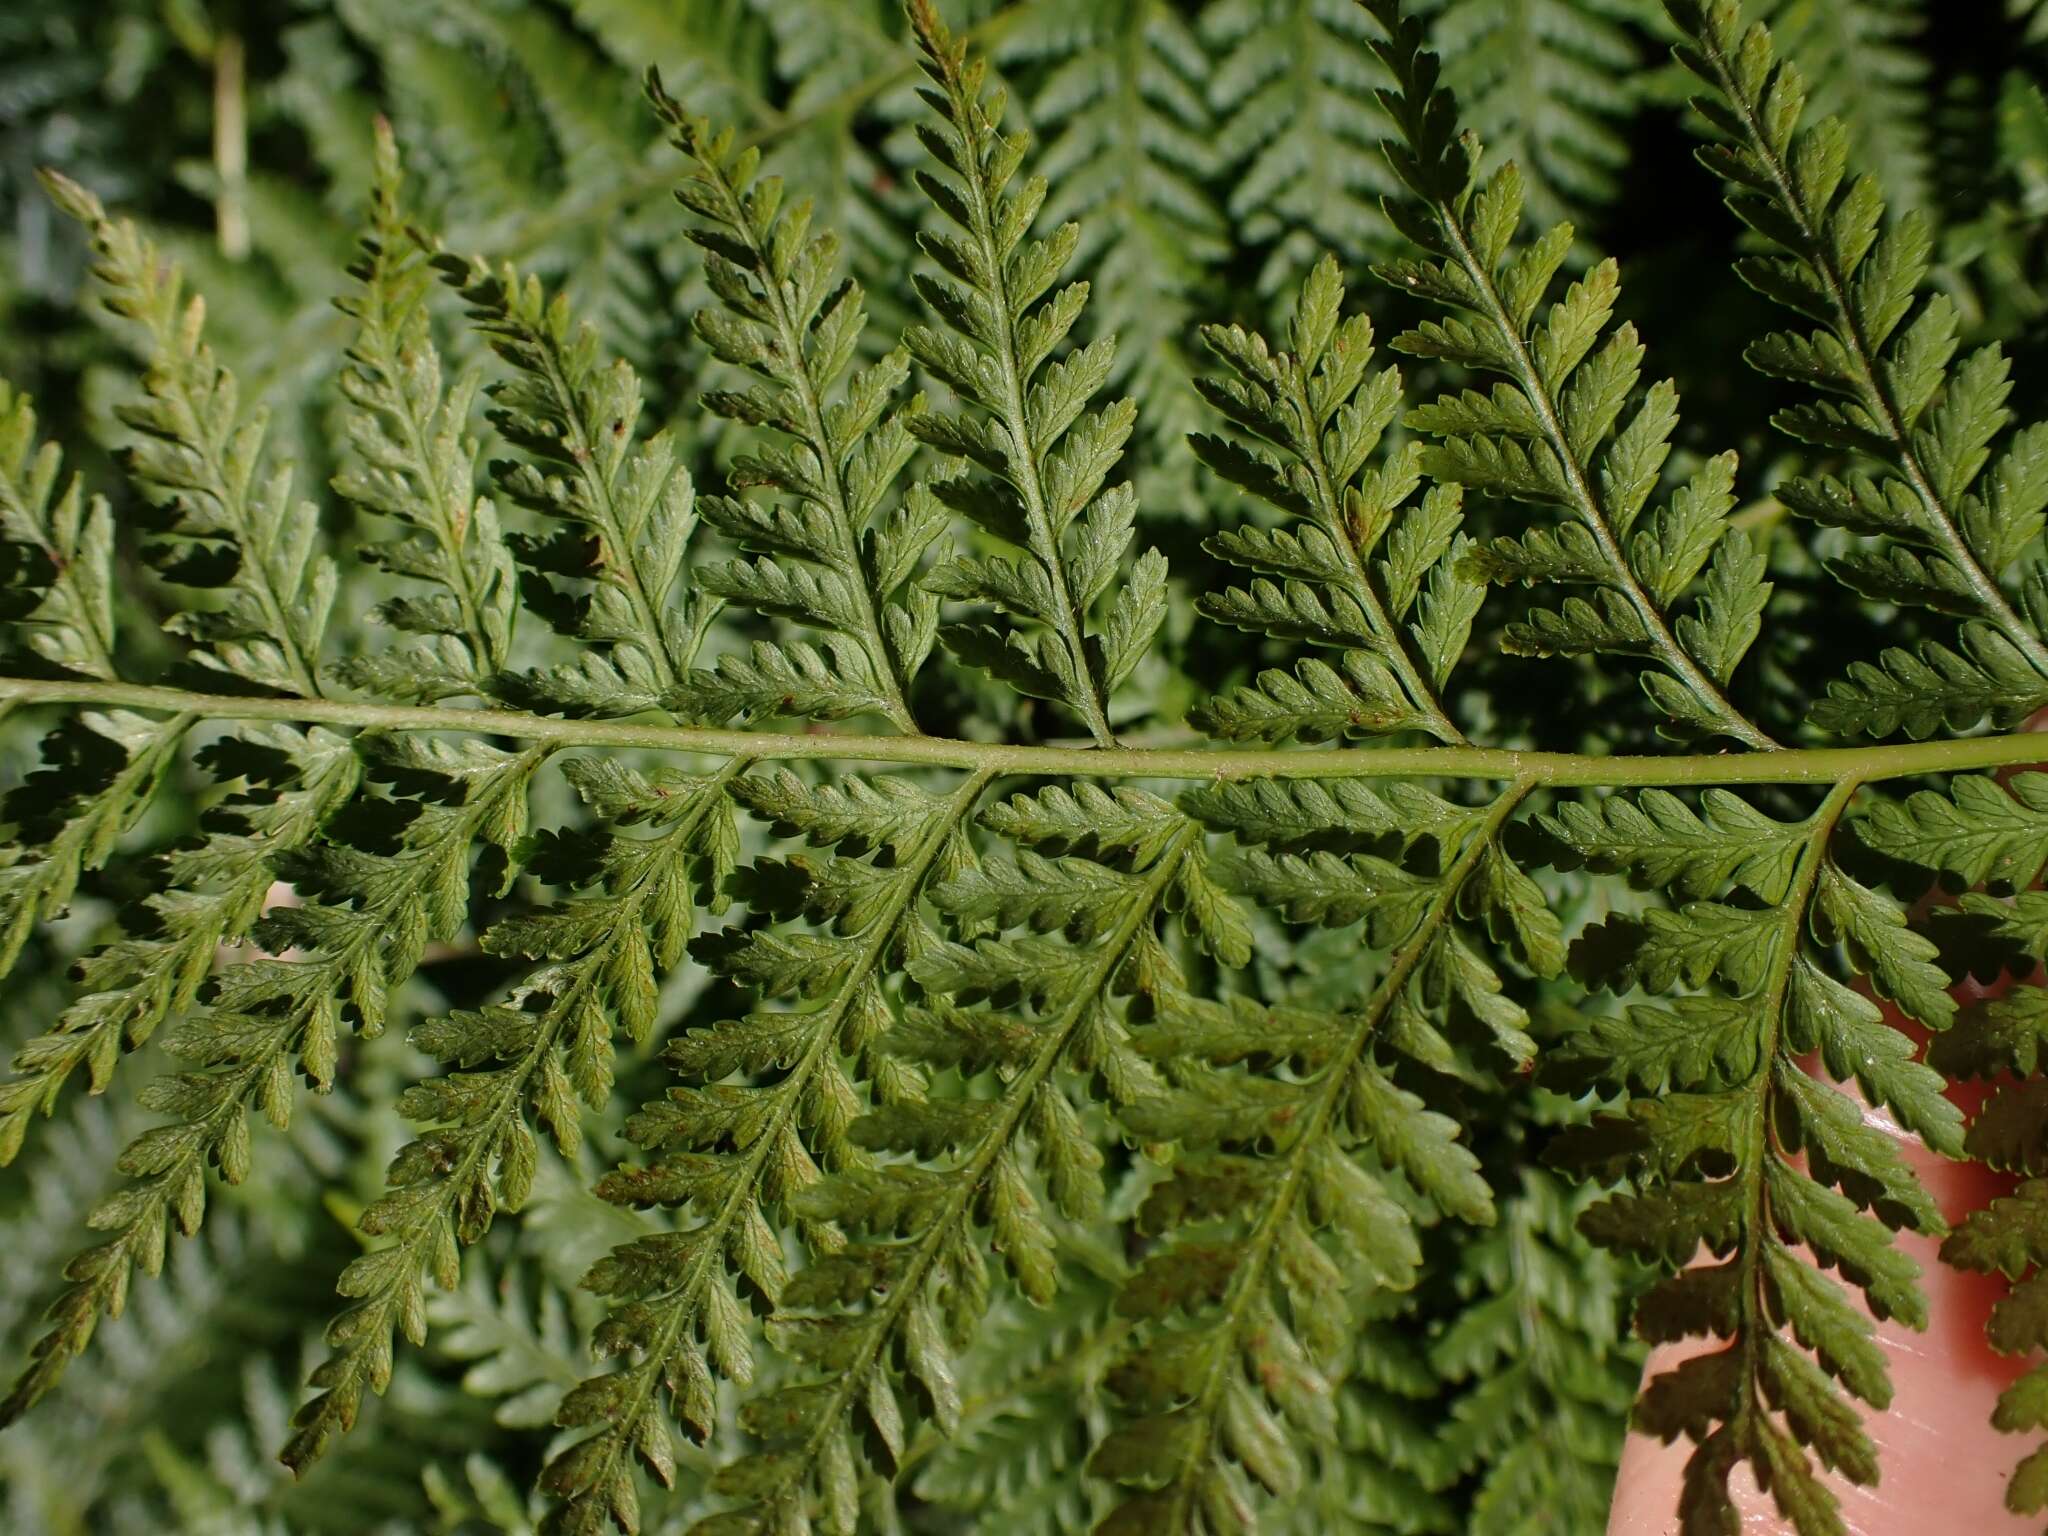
x=1877 y=395
x=1764 y=1145
x=1250 y=1277
x=1784 y=765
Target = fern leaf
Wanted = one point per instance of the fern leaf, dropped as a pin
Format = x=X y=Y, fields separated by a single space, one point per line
x=1533 y=1348
x=1956 y=500
x=737 y=1156
x=540 y=1053
x=417 y=464
x=202 y=455
x=1867 y=64
x=102 y=774
x=1015 y=1457
x=1722 y=1106
x=575 y=416
x=360 y=934
x=1324 y=411
x=1131 y=161
x=921 y=1230
x=1047 y=455
x=1298 y=125
x=1218 y=1401
x=786 y=322
x=1567 y=428
x=293 y=783
x=65 y=544
x=1981 y=830
x=1546 y=84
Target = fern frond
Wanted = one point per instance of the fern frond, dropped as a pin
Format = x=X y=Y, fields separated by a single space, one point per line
x=1552 y=434
x=234 y=525
x=516 y=1340
x=1955 y=507
x=1399 y=621
x=543 y=1050
x=2010 y=1237
x=103 y=772
x=1868 y=64
x=1043 y=453
x=416 y=464
x=1032 y=1401
x=198 y=450
x=1030 y=1144
x=591 y=110
x=1385 y=1468
x=1131 y=162
x=737 y=1155
x=629 y=506
x=1534 y=1348
x=1986 y=833
x=361 y=933
x=1299 y=126
x=1722 y=1107
x=716 y=58
x=1547 y=84
x=292 y=784
x=64 y=549
x=1222 y=1397
x=788 y=323
x=1025 y=1007
x=849 y=80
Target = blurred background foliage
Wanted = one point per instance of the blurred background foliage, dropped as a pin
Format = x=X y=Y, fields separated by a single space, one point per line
x=1213 y=148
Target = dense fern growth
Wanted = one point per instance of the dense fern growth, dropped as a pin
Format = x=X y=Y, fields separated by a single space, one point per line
x=959 y=839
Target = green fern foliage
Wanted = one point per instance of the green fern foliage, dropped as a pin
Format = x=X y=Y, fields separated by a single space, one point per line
x=1868 y=65
x=1722 y=1104
x=1324 y=410
x=1989 y=834
x=838 y=992
x=417 y=463
x=1534 y=1347
x=628 y=506
x=1044 y=455
x=63 y=542
x=1299 y=127
x=736 y=1156
x=1545 y=83
x=1046 y=1009
x=202 y=457
x=1217 y=1400
x=776 y=287
x=1132 y=161
x=1566 y=428
x=1955 y=503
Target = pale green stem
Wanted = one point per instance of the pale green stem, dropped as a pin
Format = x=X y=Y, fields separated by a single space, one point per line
x=1784 y=765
